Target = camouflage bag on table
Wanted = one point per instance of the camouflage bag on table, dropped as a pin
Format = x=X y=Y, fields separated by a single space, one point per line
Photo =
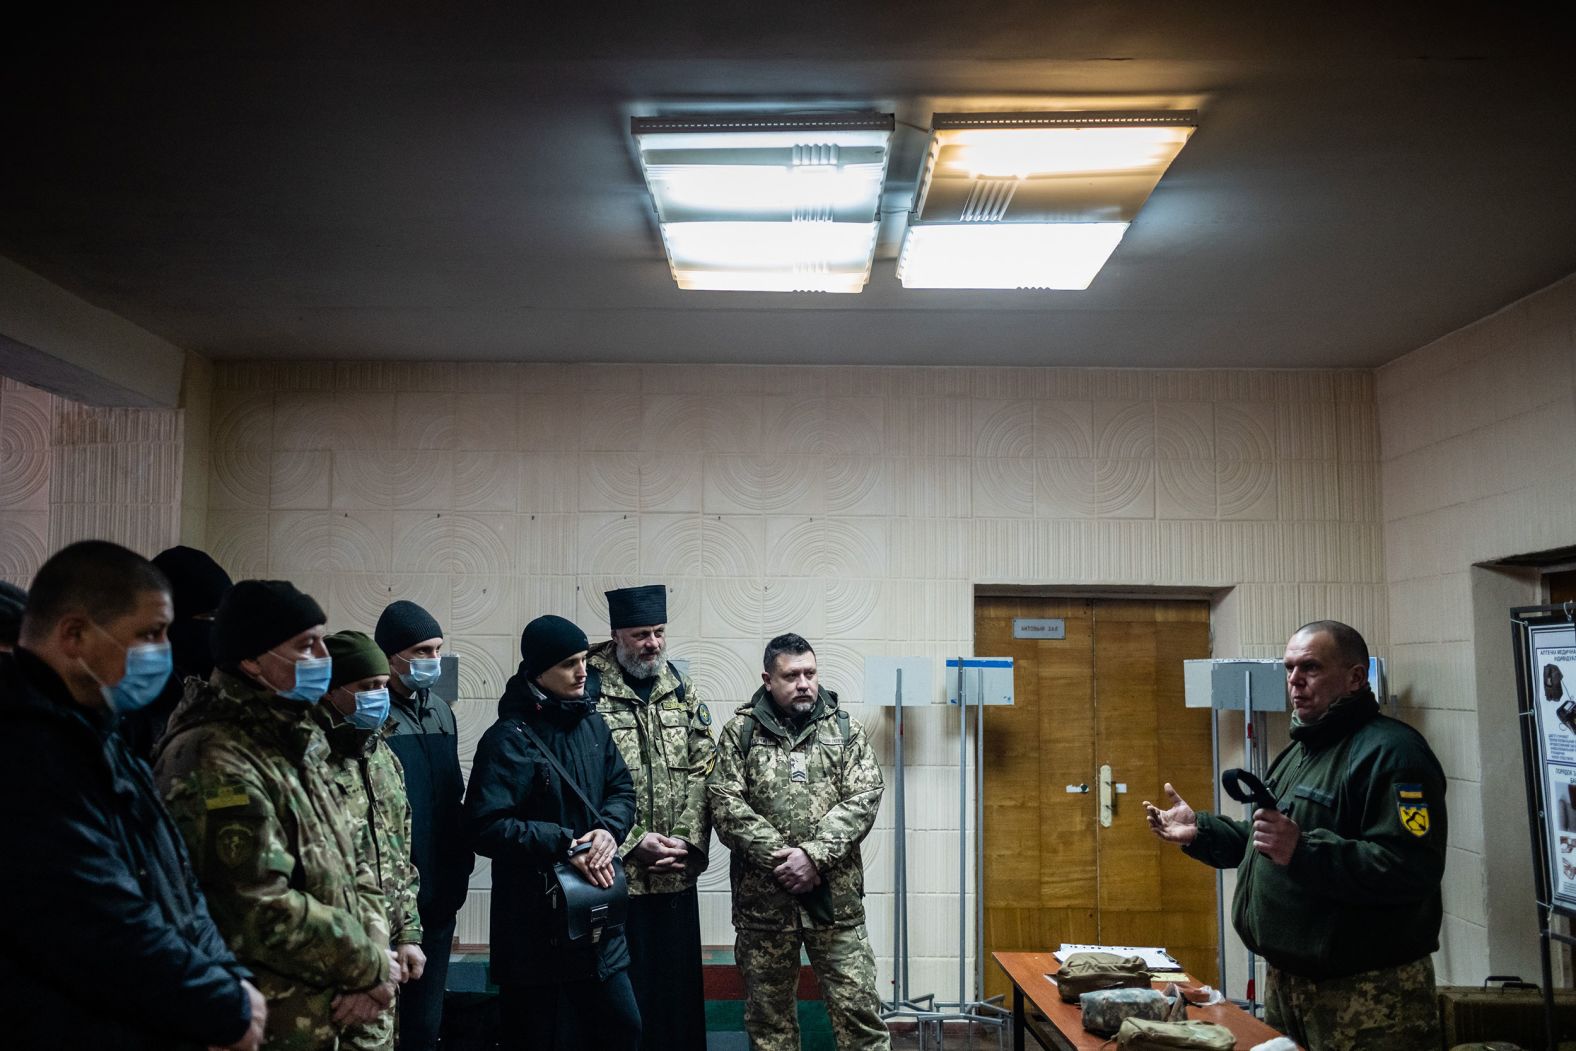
x=1087 y=972
x=1137 y=1034
x=1104 y=1010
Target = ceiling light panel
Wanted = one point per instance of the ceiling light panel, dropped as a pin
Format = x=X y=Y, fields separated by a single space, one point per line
x=767 y=202
x=1001 y=194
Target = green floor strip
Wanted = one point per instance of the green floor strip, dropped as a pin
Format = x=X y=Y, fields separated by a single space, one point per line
x=815 y=1029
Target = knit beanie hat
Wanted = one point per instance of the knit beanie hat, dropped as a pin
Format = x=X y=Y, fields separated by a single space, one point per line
x=12 y=601
x=637 y=607
x=356 y=657
x=548 y=640
x=256 y=615
x=197 y=582
x=403 y=624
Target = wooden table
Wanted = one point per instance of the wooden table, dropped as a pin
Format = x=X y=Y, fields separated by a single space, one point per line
x=1028 y=971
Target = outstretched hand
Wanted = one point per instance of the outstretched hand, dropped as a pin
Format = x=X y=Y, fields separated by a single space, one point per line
x=1175 y=825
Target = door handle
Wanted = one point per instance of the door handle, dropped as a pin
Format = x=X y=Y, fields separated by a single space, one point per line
x=1107 y=795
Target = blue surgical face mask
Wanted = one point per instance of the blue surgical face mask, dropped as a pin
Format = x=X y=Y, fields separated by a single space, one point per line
x=372 y=707
x=423 y=673
x=148 y=668
x=312 y=675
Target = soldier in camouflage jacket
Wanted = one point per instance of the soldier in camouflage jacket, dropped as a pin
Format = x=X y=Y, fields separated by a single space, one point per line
x=243 y=770
x=372 y=787
x=794 y=792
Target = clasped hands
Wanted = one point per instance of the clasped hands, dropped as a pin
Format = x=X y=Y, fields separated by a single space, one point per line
x=596 y=863
x=1275 y=835
x=795 y=872
x=661 y=853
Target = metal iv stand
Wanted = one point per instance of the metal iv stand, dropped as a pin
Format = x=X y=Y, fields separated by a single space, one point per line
x=922 y=1009
x=971 y=1006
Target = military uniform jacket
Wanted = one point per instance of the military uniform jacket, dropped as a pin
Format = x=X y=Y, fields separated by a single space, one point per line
x=245 y=775
x=372 y=786
x=816 y=788
x=1362 y=889
x=108 y=943
x=666 y=743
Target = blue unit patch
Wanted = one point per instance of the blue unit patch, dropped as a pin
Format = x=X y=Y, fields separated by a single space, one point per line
x=703 y=714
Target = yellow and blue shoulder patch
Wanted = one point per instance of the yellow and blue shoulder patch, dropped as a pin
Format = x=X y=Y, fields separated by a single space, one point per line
x=703 y=714
x=1412 y=805
x=224 y=797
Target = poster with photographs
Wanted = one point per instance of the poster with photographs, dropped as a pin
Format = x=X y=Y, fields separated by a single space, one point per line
x=1551 y=686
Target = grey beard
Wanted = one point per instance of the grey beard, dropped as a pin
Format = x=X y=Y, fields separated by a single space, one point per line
x=636 y=667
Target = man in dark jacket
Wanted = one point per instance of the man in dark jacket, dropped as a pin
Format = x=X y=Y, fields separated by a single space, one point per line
x=421 y=733
x=1340 y=891
x=554 y=995
x=109 y=943
x=197 y=583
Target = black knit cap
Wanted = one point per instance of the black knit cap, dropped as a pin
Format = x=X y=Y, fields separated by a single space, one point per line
x=12 y=601
x=402 y=625
x=256 y=615
x=637 y=607
x=548 y=640
x=197 y=582
x=356 y=657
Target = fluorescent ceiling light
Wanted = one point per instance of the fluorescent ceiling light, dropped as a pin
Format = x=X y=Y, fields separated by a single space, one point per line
x=1047 y=196
x=771 y=256
x=1007 y=255
x=775 y=202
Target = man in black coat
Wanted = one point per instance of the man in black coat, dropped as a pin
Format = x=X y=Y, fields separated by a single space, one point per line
x=421 y=732
x=553 y=995
x=108 y=942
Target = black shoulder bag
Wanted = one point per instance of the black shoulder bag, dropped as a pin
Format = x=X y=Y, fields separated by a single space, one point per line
x=585 y=911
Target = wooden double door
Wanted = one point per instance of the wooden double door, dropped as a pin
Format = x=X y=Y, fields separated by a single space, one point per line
x=1109 y=694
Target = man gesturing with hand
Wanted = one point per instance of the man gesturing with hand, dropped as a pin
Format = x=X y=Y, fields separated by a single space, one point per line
x=1338 y=884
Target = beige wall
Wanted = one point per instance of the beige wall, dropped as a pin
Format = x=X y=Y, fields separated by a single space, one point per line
x=859 y=506
x=1479 y=464
x=73 y=472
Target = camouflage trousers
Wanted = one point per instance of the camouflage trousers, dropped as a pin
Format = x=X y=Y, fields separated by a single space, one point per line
x=846 y=970
x=376 y=1036
x=1393 y=1009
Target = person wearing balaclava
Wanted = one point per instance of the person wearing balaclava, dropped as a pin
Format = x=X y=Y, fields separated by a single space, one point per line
x=371 y=784
x=243 y=771
x=197 y=583
x=553 y=995
x=421 y=731
x=12 y=601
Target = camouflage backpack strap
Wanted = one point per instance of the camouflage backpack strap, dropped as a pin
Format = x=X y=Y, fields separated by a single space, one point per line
x=747 y=733
x=842 y=725
x=680 y=677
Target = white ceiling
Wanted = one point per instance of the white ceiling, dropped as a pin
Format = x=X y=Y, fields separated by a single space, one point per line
x=304 y=182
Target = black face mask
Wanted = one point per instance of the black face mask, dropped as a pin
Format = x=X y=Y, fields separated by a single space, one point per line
x=191 y=646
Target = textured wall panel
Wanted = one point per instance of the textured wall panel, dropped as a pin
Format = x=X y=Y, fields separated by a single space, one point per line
x=857 y=506
x=25 y=432
x=1003 y=429
x=1185 y=430
x=1003 y=488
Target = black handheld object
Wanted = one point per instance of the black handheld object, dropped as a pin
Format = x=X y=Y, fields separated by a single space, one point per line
x=579 y=848
x=1246 y=788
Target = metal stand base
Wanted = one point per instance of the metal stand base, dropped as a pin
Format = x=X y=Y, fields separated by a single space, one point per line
x=931 y=1021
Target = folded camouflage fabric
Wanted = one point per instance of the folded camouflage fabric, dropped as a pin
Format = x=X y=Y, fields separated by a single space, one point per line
x=1138 y=1034
x=1085 y=972
x=1104 y=1010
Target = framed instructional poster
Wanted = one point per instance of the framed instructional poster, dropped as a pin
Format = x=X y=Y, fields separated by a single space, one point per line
x=1545 y=639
